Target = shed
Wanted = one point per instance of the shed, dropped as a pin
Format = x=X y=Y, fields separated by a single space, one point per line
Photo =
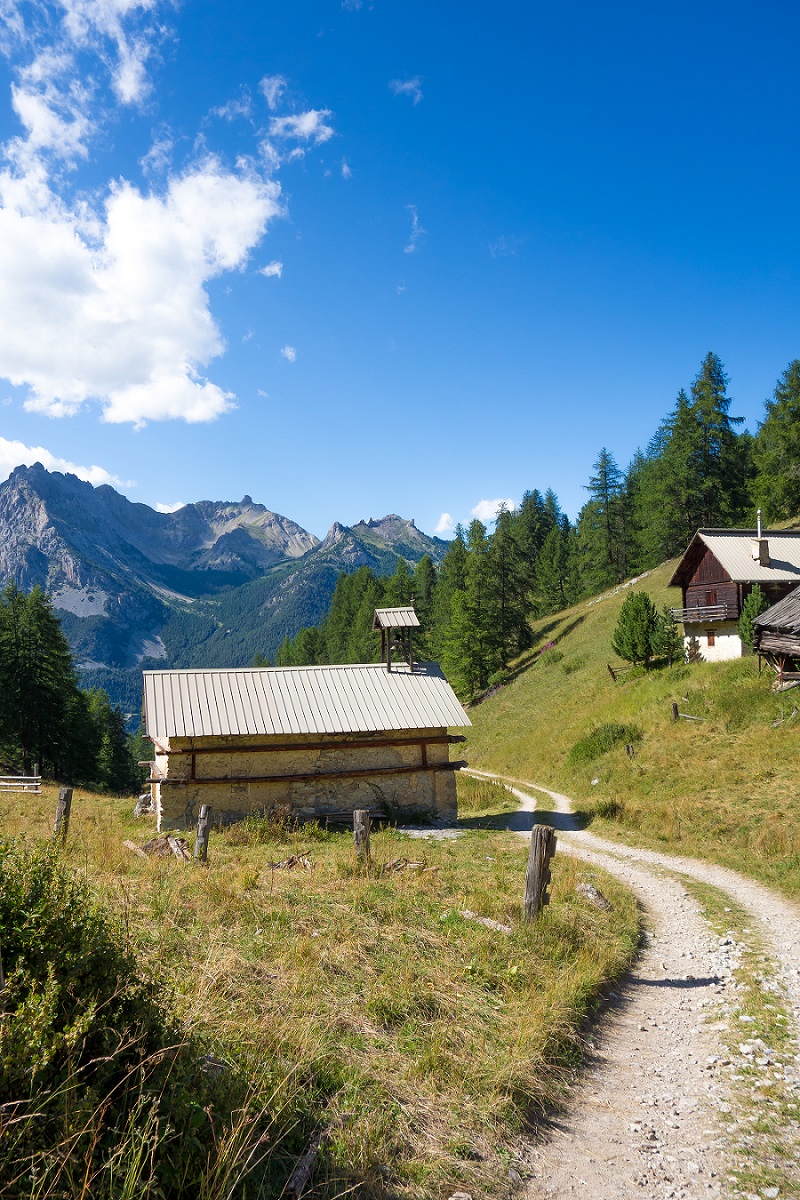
x=719 y=569
x=777 y=635
x=313 y=742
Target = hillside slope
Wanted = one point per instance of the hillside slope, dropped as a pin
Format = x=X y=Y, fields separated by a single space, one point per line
x=725 y=787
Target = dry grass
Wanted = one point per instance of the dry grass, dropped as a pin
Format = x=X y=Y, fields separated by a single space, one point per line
x=726 y=787
x=423 y=1041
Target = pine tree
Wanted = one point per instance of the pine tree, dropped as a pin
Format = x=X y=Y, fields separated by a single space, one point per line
x=719 y=483
x=508 y=605
x=667 y=641
x=552 y=585
x=776 y=452
x=115 y=769
x=636 y=627
x=754 y=603
x=601 y=526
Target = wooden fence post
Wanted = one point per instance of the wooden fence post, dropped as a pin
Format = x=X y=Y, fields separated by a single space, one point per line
x=675 y=713
x=203 y=830
x=537 y=876
x=361 y=828
x=61 y=825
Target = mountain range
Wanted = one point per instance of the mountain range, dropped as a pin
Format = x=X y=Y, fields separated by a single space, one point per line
x=209 y=585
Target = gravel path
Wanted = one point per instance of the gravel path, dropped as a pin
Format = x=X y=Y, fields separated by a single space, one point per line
x=646 y=1121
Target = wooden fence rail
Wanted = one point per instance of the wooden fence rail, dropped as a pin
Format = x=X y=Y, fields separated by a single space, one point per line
x=21 y=783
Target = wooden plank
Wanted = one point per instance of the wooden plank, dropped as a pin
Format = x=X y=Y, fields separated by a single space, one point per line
x=292 y=747
x=312 y=775
x=134 y=849
x=305 y=1165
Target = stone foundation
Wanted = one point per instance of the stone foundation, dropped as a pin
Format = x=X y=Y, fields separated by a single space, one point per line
x=237 y=777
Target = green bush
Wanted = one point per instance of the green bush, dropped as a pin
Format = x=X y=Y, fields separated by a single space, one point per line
x=601 y=740
x=90 y=1059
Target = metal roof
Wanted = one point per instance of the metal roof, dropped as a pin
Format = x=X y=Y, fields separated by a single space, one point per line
x=294 y=700
x=732 y=549
x=783 y=615
x=395 y=618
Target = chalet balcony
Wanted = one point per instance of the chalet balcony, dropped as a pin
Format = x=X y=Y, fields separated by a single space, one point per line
x=706 y=612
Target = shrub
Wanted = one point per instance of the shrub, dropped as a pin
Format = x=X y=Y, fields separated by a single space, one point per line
x=90 y=1060
x=601 y=740
x=754 y=604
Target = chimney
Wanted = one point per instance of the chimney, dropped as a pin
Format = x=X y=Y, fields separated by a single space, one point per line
x=760 y=545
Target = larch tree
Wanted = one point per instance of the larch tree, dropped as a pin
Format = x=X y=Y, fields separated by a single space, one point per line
x=776 y=451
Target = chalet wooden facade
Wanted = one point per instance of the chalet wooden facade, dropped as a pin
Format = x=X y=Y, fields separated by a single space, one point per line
x=718 y=571
x=313 y=742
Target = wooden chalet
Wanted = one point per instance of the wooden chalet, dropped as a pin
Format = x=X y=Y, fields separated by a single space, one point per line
x=313 y=742
x=777 y=637
x=719 y=569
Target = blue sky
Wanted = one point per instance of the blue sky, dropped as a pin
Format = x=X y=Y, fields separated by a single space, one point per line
x=353 y=258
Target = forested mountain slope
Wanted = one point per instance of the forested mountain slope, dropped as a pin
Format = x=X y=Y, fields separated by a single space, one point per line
x=209 y=585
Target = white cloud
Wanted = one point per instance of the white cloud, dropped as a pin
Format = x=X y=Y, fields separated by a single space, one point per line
x=170 y=508
x=289 y=353
x=486 y=510
x=17 y=454
x=417 y=231
x=445 y=524
x=104 y=299
x=241 y=107
x=272 y=270
x=506 y=246
x=308 y=126
x=272 y=88
x=351 y=5
x=346 y=170
x=407 y=87
x=118 y=311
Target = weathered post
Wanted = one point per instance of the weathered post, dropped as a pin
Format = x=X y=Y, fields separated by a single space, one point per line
x=61 y=825
x=361 y=828
x=203 y=830
x=675 y=713
x=537 y=876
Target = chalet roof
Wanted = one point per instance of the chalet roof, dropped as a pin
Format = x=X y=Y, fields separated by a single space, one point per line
x=297 y=700
x=395 y=618
x=732 y=549
x=785 y=615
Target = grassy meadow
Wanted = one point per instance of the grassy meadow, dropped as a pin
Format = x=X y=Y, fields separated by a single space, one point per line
x=725 y=787
x=336 y=996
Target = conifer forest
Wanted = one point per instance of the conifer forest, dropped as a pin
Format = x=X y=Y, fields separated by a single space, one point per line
x=697 y=471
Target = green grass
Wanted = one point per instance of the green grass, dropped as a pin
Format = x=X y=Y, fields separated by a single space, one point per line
x=422 y=1041
x=725 y=788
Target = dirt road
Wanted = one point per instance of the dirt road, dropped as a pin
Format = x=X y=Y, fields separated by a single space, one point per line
x=661 y=1110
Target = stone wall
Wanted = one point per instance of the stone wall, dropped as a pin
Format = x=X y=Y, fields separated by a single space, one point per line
x=726 y=641
x=243 y=772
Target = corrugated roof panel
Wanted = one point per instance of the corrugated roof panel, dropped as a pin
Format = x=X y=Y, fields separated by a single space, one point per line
x=295 y=700
x=395 y=618
x=733 y=550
